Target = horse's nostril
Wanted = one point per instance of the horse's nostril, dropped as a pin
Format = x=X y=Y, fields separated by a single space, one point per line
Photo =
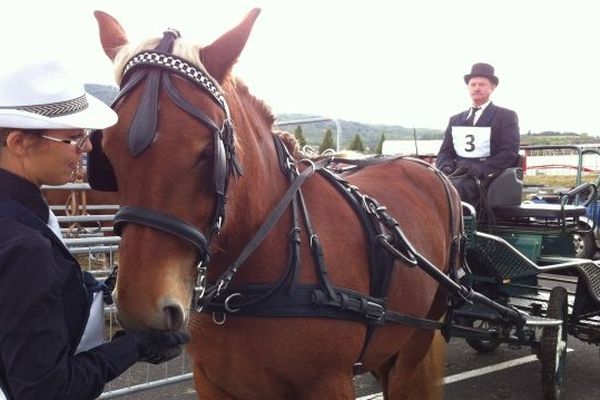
x=173 y=317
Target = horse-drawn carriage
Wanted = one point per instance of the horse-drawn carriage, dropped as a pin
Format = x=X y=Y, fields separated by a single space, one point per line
x=522 y=255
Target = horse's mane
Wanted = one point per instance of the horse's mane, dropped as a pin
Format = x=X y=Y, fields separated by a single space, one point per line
x=291 y=143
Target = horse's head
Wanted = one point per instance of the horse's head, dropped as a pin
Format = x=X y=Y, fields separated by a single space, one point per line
x=173 y=152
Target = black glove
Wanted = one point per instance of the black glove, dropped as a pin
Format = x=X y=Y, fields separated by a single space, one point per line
x=155 y=346
x=109 y=286
x=446 y=169
x=469 y=170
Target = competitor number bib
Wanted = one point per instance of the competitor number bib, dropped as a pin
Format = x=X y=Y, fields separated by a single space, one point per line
x=471 y=141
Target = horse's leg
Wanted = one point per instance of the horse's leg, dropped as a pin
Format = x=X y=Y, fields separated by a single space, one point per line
x=417 y=374
x=428 y=376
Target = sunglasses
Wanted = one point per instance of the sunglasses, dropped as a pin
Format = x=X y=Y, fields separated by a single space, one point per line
x=78 y=142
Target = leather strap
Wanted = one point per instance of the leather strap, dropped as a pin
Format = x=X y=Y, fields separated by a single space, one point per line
x=166 y=223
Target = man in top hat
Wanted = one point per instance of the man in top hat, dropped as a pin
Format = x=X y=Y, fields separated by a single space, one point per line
x=480 y=142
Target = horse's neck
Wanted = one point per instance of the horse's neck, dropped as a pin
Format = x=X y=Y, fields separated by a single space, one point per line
x=254 y=195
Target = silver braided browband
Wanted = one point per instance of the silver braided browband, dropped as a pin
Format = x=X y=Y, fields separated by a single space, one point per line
x=182 y=67
x=58 y=109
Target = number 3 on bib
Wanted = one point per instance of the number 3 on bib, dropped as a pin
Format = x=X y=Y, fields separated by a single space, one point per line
x=471 y=141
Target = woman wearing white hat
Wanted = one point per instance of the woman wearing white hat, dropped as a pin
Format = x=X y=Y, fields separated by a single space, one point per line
x=45 y=118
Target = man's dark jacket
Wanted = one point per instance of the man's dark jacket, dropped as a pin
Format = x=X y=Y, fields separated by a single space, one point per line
x=504 y=142
x=44 y=306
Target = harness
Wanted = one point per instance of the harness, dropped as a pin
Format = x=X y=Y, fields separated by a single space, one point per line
x=287 y=297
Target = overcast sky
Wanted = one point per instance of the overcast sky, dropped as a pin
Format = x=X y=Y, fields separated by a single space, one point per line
x=393 y=62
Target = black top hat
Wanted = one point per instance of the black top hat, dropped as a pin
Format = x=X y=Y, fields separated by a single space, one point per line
x=484 y=70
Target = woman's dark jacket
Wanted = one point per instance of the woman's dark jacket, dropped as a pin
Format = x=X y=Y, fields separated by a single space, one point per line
x=44 y=306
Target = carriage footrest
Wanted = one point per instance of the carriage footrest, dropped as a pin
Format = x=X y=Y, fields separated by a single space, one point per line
x=590 y=272
x=587 y=270
x=500 y=259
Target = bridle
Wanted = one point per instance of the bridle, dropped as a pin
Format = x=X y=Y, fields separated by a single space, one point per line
x=155 y=68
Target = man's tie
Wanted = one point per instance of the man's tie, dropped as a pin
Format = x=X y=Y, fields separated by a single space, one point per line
x=471 y=119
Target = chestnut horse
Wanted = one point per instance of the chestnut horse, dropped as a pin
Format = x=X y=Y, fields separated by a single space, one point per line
x=218 y=212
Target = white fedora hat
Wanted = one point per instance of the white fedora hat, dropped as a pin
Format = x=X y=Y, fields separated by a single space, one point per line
x=43 y=95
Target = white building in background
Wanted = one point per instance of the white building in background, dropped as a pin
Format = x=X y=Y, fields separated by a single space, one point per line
x=410 y=147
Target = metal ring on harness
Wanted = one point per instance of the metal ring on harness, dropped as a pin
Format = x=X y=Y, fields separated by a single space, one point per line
x=227 y=300
x=217 y=321
x=409 y=257
x=309 y=162
x=200 y=288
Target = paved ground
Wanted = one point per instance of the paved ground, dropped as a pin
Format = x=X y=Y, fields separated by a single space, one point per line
x=505 y=374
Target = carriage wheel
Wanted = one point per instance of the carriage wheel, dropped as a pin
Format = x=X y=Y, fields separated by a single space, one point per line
x=553 y=347
x=481 y=345
x=585 y=244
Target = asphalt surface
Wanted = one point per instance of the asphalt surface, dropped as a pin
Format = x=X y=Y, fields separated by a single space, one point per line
x=506 y=373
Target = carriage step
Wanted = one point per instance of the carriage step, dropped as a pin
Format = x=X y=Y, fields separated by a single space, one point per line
x=541 y=298
x=533 y=320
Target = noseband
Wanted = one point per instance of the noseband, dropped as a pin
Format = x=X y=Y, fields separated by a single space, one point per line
x=155 y=69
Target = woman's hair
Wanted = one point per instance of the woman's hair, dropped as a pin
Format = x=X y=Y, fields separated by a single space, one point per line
x=5 y=131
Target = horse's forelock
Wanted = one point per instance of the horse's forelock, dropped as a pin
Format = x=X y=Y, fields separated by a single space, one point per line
x=191 y=52
x=181 y=48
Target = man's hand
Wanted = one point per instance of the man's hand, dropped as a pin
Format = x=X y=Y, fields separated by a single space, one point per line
x=472 y=170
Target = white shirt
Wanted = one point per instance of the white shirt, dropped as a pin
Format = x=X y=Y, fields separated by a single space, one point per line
x=478 y=112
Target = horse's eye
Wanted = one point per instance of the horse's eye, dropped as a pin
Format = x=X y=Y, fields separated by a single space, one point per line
x=206 y=155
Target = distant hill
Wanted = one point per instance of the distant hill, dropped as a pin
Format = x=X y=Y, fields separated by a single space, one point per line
x=106 y=93
x=369 y=133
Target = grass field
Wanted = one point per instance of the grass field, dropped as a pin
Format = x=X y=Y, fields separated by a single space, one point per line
x=558 y=181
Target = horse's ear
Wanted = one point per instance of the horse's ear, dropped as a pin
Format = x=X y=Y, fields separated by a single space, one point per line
x=112 y=35
x=219 y=57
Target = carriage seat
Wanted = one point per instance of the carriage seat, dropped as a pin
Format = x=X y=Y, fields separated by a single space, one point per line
x=504 y=196
x=506 y=189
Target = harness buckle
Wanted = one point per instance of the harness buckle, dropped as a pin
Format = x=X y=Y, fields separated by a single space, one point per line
x=372 y=311
x=200 y=286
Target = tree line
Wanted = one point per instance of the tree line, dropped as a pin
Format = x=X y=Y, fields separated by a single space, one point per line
x=328 y=143
x=357 y=144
